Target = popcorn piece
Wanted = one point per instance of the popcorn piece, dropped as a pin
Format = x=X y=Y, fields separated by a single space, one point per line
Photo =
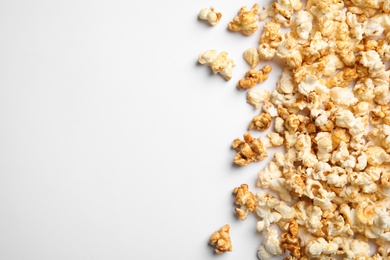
x=303 y=24
x=343 y=97
x=261 y=122
x=208 y=14
x=272 y=243
x=289 y=239
x=245 y=199
x=249 y=150
x=253 y=77
x=245 y=22
x=257 y=96
x=219 y=63
x=252 y=57
x=221 y=240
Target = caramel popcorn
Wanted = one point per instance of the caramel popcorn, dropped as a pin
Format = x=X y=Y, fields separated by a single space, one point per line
x=221 y=240
x=248 y=150
x=245 y=199
x=253 y=77
x=330 y=111
x=245 y=21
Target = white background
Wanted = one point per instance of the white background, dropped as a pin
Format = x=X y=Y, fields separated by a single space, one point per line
x=114 y=142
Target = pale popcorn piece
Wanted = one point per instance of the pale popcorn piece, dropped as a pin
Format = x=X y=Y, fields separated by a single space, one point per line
x=289 y=51
x=272 y=243
x=221 y=240
x=209 y=15
x=377 y=155
x=253 y=77
x=282 y=11
x=257 y=96
x=245 y=199
x=271 y=34
x=324 y=144
x=320 y=246
x=377 y=24
x=249 y=150
x=271 y=177
x=275 y=139
x=303 y=23
x=343 y=97
x=219 y=63
x=266 y=52
x=251 y=56
x=285 y=83
x=372 y=61
x=261 y=122
x=245 y=21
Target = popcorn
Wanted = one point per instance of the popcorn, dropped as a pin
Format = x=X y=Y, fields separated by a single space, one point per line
x=249 y=150
x=332 y=115
x=261 y=122
x=252 y=77
x=257 y=96
x=245 y=22
x=251 y=56
x=219 y=63
x=208 y=14
x=245 y=199
x=221 y=240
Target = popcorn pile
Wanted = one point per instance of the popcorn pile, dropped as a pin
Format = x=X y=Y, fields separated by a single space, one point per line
x=330 y=111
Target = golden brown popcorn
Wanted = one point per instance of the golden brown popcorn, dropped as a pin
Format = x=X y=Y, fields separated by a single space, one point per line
x=342 y=78
x=261 y=122
x=249 y=150
x=289 y=239
x=208 y=14
x=246 y=20
x=219 y=63
x=253 y=77
x=245 y=199
x=271 y=34
x=221 y=240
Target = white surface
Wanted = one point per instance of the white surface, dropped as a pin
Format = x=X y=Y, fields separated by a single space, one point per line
x=114 y=143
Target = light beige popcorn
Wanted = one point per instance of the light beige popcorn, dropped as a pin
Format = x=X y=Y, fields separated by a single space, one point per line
x=221 y=240
x=219 y=63
x=209 y=15
x=245 y=21
x=257 y=96
x=251 y=56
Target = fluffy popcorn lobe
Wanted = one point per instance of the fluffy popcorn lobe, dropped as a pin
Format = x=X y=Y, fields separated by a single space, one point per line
x=324 y=193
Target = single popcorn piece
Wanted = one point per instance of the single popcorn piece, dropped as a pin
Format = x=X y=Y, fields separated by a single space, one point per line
x=261 y=122
x=251 y=56
x=289 y=239
x=245 y=21
x=245 y=199
x=221 y=240
x=208 y=14
x=257 y=96
x=249 y=150
x=253 y=77
x=219 y=63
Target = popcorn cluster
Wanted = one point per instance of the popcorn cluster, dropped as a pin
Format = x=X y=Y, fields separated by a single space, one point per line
x=330 y=112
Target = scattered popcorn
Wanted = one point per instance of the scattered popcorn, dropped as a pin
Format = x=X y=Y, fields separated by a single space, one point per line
x=245 y=22
x=252 y=77
x=221 y=240
x=208 y=14
x=219 y=63
x=330 y=111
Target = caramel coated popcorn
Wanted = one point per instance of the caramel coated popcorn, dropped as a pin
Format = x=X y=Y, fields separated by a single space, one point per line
x=221 y=240
x=246 y=21
x=330 y=113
